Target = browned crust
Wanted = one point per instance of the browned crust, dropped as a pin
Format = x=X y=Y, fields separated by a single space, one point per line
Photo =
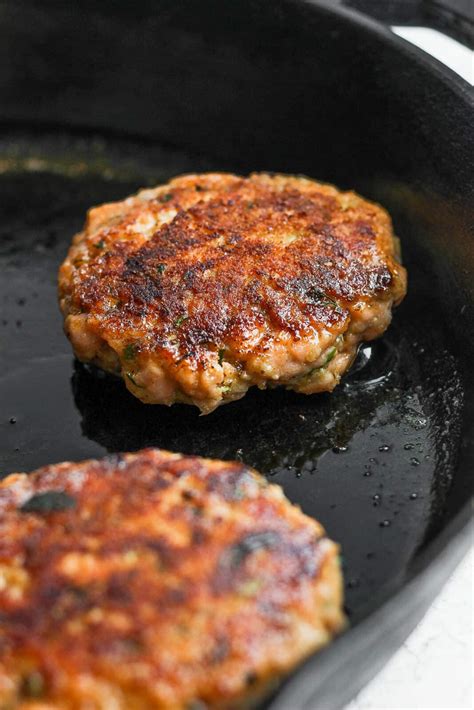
x=172 y=579
x=228 y=266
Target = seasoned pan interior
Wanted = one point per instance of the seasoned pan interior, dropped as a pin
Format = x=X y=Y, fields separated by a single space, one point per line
x=374 y=461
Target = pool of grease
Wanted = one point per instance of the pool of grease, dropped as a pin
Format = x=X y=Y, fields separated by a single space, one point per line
x=373 y=461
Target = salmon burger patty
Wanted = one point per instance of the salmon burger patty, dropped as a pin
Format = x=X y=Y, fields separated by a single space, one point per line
x=198 y=289
x=155 y=580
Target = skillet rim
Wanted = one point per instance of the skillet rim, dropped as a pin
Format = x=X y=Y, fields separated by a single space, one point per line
x=464 y=89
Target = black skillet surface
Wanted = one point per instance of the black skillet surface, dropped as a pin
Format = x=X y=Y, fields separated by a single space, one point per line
x=383 y=462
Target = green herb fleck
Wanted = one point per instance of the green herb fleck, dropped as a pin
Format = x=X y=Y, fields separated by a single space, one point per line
x=322 y=298
x=132 y=380
x=132 y=645
x=48 y=502
x=240 y=491
x=33 y=685
x=166 y=197
x=130 y=351
x=330 y=356
x=180 y=320
x=250 y=205
x=100 y=245
x=161 y=268
x=196 y=705
x=130 y=556
x=183 y=357
x=220 y=355
x=250 y=588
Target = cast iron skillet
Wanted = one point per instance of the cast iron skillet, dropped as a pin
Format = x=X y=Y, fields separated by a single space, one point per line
x=99 y=99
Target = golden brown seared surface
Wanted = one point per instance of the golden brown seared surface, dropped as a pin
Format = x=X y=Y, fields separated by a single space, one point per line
x=200 y=288
x=153 y=580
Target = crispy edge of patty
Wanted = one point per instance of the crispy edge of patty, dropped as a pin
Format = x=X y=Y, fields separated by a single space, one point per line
x=310 y=359
x=314 y=605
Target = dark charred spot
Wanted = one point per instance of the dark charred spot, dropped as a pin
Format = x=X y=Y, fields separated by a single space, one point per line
x=380 y=280
x=174 y=596
x=231 y=562
x=131 y=645
x=308 y=557
x=70 y=601
x=237 y=554
x=50 y=593
x=118 y=587
x=79 y=596
x=219 y=651
x=199 y=536
x=33 y=685
x=365 y=230
x=164 y=551
x=250 y=678
x=197 y=510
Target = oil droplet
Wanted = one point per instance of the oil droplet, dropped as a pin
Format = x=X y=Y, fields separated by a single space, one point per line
x=385 y=524
x=416 y=421
x=367 y=473
x=413 y=496
x=339 y=449
x=12 y=420
x=384 y=448
x=414 y=461
x=409 y=447
x=376 y=496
